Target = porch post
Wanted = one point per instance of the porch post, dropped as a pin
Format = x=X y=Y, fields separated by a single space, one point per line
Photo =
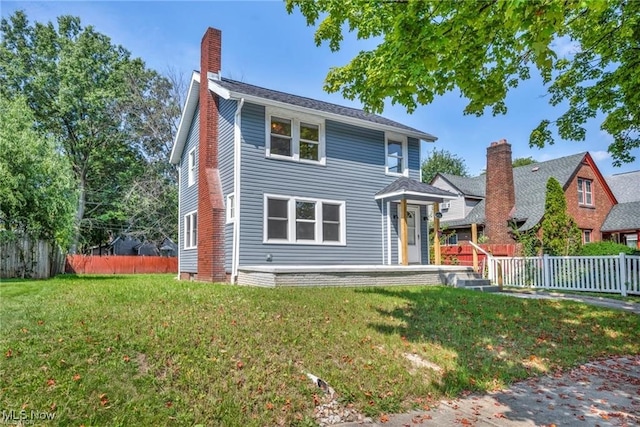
x=436 y=234
x=404 y=234
x=474 y=239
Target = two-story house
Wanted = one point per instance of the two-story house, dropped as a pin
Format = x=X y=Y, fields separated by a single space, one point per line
x=271 y=178
x=506 y=195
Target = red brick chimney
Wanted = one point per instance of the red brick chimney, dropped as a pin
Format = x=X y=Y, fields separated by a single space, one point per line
x=500 y=193
x=210 y=198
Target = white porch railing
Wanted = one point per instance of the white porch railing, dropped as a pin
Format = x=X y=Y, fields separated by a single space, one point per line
x=611 y=274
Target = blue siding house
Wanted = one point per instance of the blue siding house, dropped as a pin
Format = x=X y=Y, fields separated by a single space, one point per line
x=274 y=179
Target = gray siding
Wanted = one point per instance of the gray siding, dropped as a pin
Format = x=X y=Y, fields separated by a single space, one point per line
x=354 y=172
x=188 y=258
x=227 y=110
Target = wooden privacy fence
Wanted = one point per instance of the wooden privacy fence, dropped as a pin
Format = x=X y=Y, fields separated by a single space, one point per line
x=120 y=264
x=463 y=254
x=27 y=258
x=611 y=274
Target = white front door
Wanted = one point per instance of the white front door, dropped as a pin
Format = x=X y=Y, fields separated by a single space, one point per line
x=413 y=234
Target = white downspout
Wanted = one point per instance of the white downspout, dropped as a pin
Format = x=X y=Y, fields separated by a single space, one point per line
x=179 y=216
x=237 y=156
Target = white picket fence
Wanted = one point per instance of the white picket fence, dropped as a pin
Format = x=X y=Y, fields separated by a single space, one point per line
x=611 y=274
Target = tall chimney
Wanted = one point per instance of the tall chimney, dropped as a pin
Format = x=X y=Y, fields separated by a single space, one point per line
x=500 y=193
x=210 y=198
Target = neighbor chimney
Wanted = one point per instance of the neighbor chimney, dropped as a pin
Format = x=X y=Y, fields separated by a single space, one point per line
x=500 y=193
x=210 y=198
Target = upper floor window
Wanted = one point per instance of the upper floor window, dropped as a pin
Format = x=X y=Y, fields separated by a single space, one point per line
x=397 y=153
x=191 y=230
x=231 y=207
x=585 y=195
x=192 y=166
x=305 y=221
x=297 y=138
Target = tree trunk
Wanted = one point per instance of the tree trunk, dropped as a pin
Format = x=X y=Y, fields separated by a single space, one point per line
x=82 y=198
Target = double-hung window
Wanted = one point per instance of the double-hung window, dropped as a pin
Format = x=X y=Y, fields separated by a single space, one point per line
x=304 y=221
x=293 y=137
x=192 y=166
x=396 y=152
x=585 y=194
x=191 y=230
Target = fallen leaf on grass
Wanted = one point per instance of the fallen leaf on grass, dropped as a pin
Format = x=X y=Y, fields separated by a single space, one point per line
x=76 y=377
x=51 y=382
x=384 y=418
x=8 y=354
x=126 y=358
x=103 y=399
x=269 y=406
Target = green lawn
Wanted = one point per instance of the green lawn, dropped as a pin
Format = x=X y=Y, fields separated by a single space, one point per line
x=149 y=350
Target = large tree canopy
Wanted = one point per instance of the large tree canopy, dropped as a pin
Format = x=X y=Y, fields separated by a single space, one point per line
x=442 y=161
x=486 y=48
x=37 y=194
x=110 y=114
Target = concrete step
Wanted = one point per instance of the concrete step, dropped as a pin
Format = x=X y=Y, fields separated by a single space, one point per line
x=490 y=288
x=467 y=282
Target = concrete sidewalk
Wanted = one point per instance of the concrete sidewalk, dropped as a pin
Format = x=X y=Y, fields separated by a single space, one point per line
x=599 y=393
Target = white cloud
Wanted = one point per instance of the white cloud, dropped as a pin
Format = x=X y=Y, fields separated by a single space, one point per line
x=600 y=155
x=565 y=47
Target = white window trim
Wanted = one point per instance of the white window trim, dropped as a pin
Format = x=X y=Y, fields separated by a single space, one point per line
x=405 y=153
x=231 y=208
x=191 y=167
x=586 y=233
x=296 y=118
x=291 y=221
x=582 y=189
x=194 y=244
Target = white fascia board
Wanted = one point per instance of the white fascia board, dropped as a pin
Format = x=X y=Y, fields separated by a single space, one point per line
x=413 y=193
x=186 y=118
x=226 y=94
x=220 y=91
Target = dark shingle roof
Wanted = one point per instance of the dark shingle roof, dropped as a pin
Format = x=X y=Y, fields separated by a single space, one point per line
x=623 y=216
x=530 y=183
x=625 y=186
x=314 y=104
x=404 y=184
x=474 y=186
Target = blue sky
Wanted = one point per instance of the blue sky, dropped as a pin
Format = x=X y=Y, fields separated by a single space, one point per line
x=265 y=46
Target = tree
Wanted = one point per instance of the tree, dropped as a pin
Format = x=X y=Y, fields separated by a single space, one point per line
x=428 y=48
x=37 y=195
x=560 y=234
x=442 y=161
x=523 y=161
x=104 y=107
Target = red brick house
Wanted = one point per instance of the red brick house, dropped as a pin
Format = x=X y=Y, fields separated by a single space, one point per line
x=506 y=195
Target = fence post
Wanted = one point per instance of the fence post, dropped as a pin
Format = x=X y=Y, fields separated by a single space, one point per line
x=546 y=272
x=622 y=275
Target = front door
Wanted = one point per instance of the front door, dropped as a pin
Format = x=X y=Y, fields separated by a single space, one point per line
x=413 y=234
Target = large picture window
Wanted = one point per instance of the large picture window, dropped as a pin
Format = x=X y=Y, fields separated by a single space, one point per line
x=585 y=194
x=297 y=138
x=191 y=230
x=396 y=152
x=304 y=221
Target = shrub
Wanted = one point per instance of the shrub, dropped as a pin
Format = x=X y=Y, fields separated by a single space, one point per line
x=606 y=248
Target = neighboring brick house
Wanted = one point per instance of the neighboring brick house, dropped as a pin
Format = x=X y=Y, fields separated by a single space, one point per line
x=487 y=200
x=623 y=222
x=273 y=179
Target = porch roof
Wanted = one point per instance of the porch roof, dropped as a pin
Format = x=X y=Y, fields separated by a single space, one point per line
x=407 y=188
